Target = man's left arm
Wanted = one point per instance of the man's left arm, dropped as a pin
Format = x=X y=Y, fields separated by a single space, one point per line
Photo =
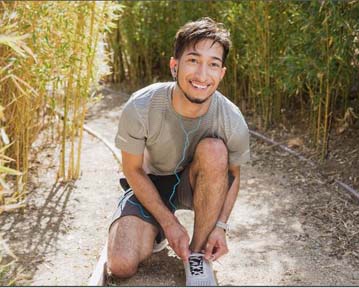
x=216 y=243
x=237 y=142
x=231 y=195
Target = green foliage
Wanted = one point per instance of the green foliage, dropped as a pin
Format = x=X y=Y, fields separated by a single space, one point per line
x=284 y=54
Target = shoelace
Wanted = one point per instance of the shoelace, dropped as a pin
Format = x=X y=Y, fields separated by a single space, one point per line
x=196 y=265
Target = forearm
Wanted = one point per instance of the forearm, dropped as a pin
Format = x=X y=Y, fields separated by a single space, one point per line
x=230 y=200
x=149 y=197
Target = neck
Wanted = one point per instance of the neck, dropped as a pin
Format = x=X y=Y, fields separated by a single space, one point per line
x=186 y=108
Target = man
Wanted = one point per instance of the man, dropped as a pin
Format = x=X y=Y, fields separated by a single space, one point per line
x=182 y=146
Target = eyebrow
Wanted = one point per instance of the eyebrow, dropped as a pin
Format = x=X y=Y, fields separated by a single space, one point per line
x=197 y=54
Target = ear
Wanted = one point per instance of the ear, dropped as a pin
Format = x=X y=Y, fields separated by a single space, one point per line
x=173 y=67
x=223 y=72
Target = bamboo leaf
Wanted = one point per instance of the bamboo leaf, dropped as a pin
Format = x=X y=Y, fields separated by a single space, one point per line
x=15 y=43
x=9 y=171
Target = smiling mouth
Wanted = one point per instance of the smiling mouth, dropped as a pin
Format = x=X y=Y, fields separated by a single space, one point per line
x=198 y=85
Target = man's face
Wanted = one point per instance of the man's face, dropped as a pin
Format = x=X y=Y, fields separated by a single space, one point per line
x=199 y=70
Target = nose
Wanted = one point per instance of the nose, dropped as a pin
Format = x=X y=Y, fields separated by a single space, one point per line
x=201 y=73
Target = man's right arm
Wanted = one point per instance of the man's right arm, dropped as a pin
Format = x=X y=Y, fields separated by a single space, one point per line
x=149 y=197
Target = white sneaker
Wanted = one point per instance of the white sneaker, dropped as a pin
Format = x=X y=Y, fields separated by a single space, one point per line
x=199 y=271
x=159 y=246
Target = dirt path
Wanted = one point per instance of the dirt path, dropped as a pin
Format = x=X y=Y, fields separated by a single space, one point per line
x=267 y=242
x=272 y=241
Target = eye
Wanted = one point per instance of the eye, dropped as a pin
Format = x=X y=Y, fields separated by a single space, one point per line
x=192 y=60
x=215 y=65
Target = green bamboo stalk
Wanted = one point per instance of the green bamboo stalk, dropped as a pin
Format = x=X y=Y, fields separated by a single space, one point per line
x=89 y=63
x=327 y=95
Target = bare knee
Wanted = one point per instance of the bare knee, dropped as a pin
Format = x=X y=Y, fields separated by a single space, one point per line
x=122 y=266
x=212 y=153
x=120 y=260
x=130 y=242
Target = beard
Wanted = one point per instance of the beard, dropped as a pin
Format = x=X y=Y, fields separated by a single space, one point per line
x=193 y=99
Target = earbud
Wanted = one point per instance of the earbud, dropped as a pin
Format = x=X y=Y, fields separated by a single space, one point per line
x=174 y=73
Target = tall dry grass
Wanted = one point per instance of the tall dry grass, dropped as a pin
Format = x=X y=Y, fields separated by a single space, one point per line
x=48 y=64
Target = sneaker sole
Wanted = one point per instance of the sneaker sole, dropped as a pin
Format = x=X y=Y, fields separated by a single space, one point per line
x=158 y=247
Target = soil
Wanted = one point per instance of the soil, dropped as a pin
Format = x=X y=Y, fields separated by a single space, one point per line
x=290 y=225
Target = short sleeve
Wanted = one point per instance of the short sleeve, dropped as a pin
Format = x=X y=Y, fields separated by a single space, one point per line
x=238 y=144
x=130 y=135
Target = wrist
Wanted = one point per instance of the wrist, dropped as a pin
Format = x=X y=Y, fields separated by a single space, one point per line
x=222 y=225
x=168 y=221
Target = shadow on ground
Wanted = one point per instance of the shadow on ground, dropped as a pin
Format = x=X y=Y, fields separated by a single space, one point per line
x=35 y=230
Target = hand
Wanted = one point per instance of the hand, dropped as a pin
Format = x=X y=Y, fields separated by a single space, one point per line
x=178 y=239
x=216 y=244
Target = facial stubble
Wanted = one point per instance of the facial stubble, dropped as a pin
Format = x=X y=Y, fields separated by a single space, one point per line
x=191 y=99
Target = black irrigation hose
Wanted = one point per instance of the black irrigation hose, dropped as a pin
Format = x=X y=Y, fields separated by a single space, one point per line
x=346 y=187
x=258 y=135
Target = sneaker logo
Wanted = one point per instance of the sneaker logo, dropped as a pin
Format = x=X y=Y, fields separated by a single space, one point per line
x=196 y=265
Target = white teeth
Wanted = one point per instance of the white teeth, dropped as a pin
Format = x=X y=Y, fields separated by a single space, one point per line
x=199 y=86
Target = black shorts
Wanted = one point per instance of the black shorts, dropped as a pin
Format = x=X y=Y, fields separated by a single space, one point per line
x=176 y=193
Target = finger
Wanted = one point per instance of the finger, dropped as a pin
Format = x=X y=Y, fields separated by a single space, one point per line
x=220 y=251
x=209 y=250
x=176 y=250
x=186 y=255
x=176 y=247
x=184 y=247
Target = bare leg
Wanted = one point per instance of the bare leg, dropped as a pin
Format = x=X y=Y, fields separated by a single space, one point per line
x=130 y=242
x=209 y=178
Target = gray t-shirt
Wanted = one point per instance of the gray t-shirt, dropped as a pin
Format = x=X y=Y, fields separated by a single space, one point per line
x=150 y=125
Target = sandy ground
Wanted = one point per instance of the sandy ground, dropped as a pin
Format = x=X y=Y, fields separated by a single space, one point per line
x=269 y=241
x=93 y=202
